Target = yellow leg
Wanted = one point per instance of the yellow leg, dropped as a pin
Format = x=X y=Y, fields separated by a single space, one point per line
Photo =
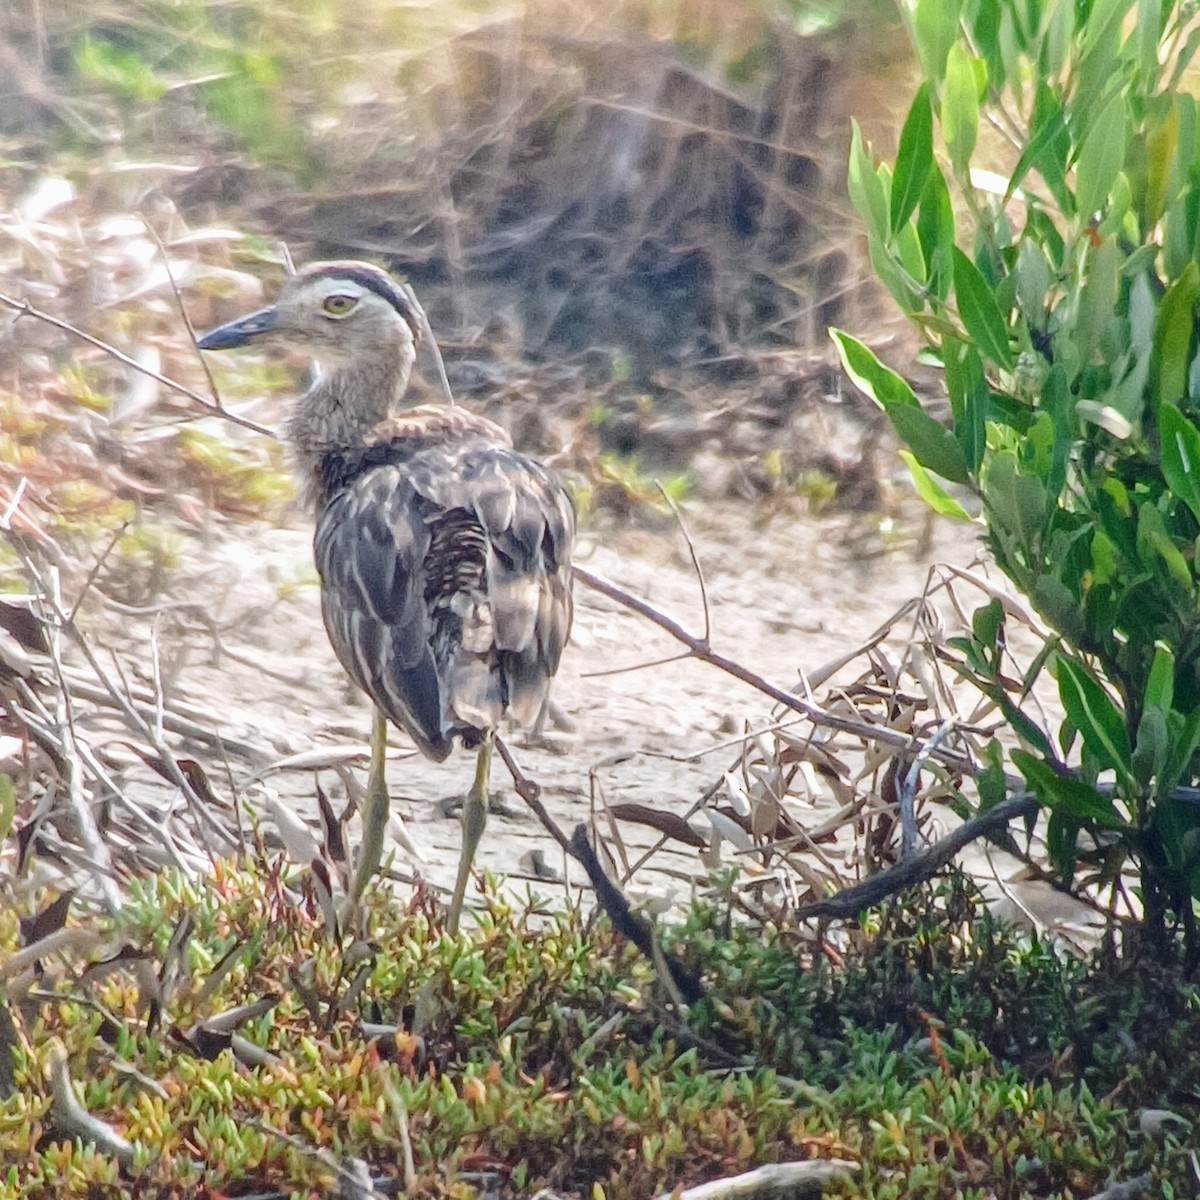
x=474 y=818
x=375 y=808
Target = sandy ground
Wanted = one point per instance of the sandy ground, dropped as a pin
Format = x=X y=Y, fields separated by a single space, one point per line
x=792 y=595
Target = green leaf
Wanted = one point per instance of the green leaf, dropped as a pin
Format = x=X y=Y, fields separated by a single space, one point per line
x=931 y=491
x=1062 y=840
x=8 y=805
x=1044 y=148
x=883 y=385
x=1100 y=158
x=1150 y=748
x=1181 y=59
x=1160 y=686
x=1097 y=718
x=1173 y=330
x=1180 y=455
x=865 y=188
x=933 y=445
x=1097 y=301
x=1149 y=31
x=1068 y=795
x=960 y=107
x=913 y=159
x=979 y=311
x=1033 y=282
x=1185 y=737
x=1016 y=500
x=1161 y=145
x=935 y=231
x=907 y=247
x=935 y=30
x=122 y=70
x=1057 y=603
x=1154 y=543
x=986 y=621
x=970 y=398
x=1057 y=40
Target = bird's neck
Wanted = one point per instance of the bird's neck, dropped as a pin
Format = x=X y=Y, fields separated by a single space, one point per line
x=343 y=405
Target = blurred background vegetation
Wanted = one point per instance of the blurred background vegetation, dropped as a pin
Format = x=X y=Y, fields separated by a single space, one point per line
x=660 y=180
x=628 y=224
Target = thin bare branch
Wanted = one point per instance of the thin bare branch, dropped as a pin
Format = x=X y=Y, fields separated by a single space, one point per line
x=909 y=872
x=687 y=537
x=864 y=729
x=187 y=321
x=23 y=309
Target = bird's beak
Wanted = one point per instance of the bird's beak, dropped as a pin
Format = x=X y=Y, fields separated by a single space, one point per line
x=241 y=331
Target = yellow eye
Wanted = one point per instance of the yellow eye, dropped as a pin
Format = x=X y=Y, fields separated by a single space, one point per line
x=339 y=306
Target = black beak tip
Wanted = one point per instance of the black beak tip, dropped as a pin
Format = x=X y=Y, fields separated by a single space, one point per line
x=239 y=332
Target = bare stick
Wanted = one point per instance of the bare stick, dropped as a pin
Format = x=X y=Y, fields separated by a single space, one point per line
x=637 y=929
x=699 y=649
x=774 y=1179
x=22 y=309
x=427 y=333
x=907 y=790
x=97 y=567
x=72 y=1118
x=531 y=793
x=687 y=537
x=1129 y=1189
x=162 y=250
x=123 y=701
x=639 y=666
x=71 y=766
x=909 y=872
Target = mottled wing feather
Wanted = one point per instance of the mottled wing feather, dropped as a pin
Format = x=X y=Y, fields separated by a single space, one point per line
x=446 y=586
x=370 y=543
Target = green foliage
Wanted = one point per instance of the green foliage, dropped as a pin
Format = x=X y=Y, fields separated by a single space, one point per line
x=1062 y=304
x=944 y=1054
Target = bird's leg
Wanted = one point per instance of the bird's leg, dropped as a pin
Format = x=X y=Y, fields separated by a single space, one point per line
x=474 y=818
x=375 y=808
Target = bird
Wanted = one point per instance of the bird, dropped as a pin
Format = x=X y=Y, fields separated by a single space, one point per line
x=444 y=554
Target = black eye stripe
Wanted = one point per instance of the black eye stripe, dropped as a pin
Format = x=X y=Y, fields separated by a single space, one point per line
x=380 y=284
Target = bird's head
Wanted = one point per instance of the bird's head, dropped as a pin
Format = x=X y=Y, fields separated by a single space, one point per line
x=342 y=313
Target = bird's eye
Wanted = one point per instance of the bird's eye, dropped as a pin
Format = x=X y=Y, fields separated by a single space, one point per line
x=339 y=306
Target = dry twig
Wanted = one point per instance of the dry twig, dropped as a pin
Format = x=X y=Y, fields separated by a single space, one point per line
x=699 y=648
x=918 y=868
x=24 y=309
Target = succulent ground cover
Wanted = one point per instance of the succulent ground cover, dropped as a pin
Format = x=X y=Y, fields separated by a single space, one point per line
x=194 y=1021
x=225 y=1044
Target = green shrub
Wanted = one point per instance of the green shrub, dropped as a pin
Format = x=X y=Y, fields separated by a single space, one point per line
x=1060 y=296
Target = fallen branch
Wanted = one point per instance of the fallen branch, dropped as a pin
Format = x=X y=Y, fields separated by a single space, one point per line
x=625 y=920
x=23 y=309
x=1130 y=1189
x=792 y=1179
x=700 y=648
x=72 y=1119
x=909 y=872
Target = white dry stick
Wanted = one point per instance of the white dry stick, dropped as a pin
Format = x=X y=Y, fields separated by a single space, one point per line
x=775 y=1179
x=72 y=938
x=883 y=735
x=174 y=719
x=89 y=832
x=400 y=1113
x=73 y=1119
x=908 y=787
x=22 y=309
x=122 y=699
x=35 y=716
